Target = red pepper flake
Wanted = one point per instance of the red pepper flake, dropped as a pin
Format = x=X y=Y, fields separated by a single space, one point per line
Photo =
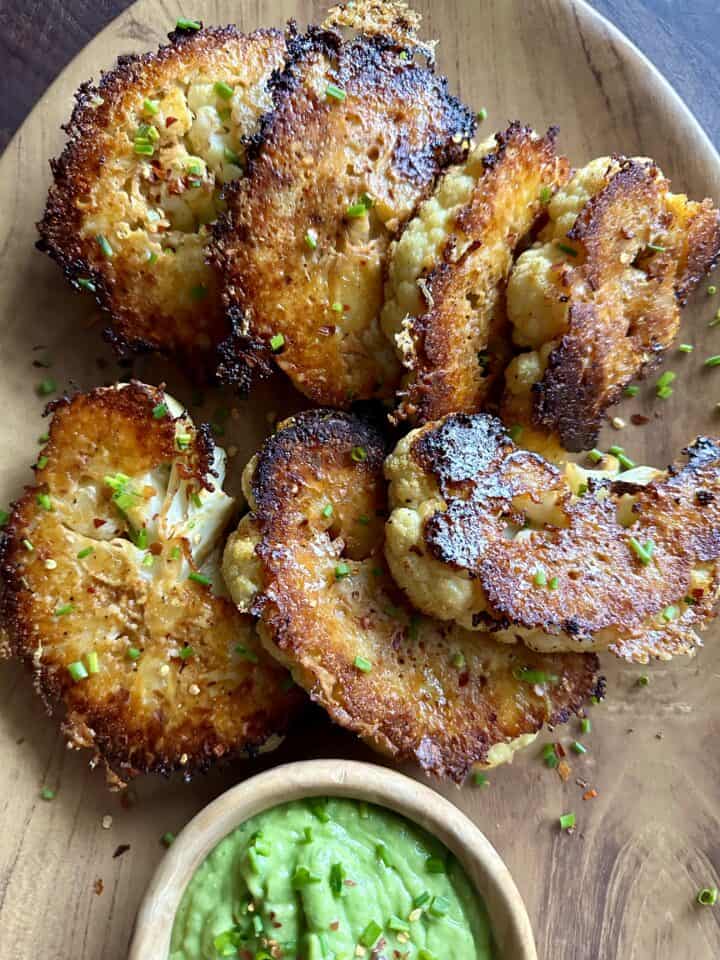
x=335 y=925
x=156 y=548
x=590 y=794
x=169 y=121
x=559 y=749
x=97 y=522
x=638 y=420
x=349 y=883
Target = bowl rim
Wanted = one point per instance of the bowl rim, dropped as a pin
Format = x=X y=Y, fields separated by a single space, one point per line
x=372 y=783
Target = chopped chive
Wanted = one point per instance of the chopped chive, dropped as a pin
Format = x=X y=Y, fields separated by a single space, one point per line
x=47 y=794
x=566 y=248
x=365 y=666
x=643 y=553
x=302 y=877
x=664 y=392
x=152 y=258
x=318 y=806
x=4 y=517
x=540 y=578
x=86 y=284
x=632 y=390
x=223 y=90
x=77 y=671
x=224 y=113
x=184 y=24
x=198 y=293
x=396 y=925
x=363 y=811
x=175 y=553
x=327 y=510
x=187 y=652
x=195 y=499
x=337 y=878
x=160 y=411
x=458 y=659
x=481 y=115
x=713 y=361
x=44 y=501
x=143 y=150
x=439 y=907
x=550 y=756
x=686 y=348
x=421 y=900
x=585 y=725
x=708 y=896
x=643 y=680
x=567 y=821
x=64 y=609
x=358 y=454
x=167 y=839
x=28 y=546
x=578 y=747
x=151 y=106
x=337 y=93
x=104 y=245
x=232 y=157
x=670 y=613
x=656 y=248
x=337 y=307
x=311 y=240
x=553 y=583
x=141 y=539
x=711 y=290
x=42 y=462
x=595 y=455
x=199 y=578
x=425 y=955
x=360 y=208
x=148 y=560
x=515 y=432
x=183 y=441
x=46 y=387
x=277 y=342
x=665 y=379
x=370 y=934
x=382 y=854
x=307 y=835
x=435 y=865
x=133 y=653
x=534 y=676
x=480 y=779
x=93 y=662
x=243 y=652
x=546 y=195
x=342 y=570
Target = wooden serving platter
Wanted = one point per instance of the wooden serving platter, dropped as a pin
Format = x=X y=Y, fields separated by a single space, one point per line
x=623 y=886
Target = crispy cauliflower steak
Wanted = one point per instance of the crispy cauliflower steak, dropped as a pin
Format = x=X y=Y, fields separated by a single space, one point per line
x=410 y=686
x=138 y=184
x=112 y=591
x=357 y=136
x=444 y=308
x=497 y=539
x=597 y=300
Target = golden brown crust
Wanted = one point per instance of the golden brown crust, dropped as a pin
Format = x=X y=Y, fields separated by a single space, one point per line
x=436 y=694
x=163 y=711
x=315 y=157
x=603 y=594
x=460 y=342
x=146 y=311
x=639 y=251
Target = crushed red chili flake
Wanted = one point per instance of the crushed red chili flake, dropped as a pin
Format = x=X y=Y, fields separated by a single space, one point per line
x=335 y=925
x=156 y=548
x=99 y=522
x=638 y=420
x=98 y=886
x=559 y=749
x=120 y=850
x=169 y=121
x=590 y=794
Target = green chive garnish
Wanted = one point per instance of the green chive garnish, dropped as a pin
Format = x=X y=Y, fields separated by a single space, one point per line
x=665 y=379
x=337 y=93
x=223 y=90
x=311 y=239
x=435 y=865
x=686 y=348
x=93 y=662
x=670 y=613
x=337 y=307
x=46 y=387
x=195 y=499
x=4 y=517
x=337 y=878
x=585 y=725
x=631 y=391
x=47 y=794
x=187 y=652
x=342 y=570
x=382 y=854
x=534 y=676
x=302 y=877
x=86 y=284
x=439 y=907
x=570 y=251
x=243 y=652
x=151 y=106
x=44 y=501
x=595 y=455
x=184 y=24
x=133 y=653
x=370 y=935
x=104 y=245
x=515 y=432
x=550 y=756
x=183 y=441
x=713 y=361
x=567 y=821
x=577 y=747
x=77 y=671
x=277 y=342
x=644 y=552
x=546 y=195
x=327 y=510
x=365 y=666
x=360 y=208
x=28 y=546
x=712 y=290
x=199 y=578
x=643 y=680
x=144 y=150
x=41 y=463
x=396 y=925
x=167 y=839
x=480 y=779
x=458 y=659
x=160 y=411
x=358 y=454
x=481 y=115
x=64 y=610
x=708 y=896
x=656 y=248
x=540 y=578
x=232 y=157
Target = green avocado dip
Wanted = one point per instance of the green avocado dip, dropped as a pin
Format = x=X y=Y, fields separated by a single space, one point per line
x=330 y=880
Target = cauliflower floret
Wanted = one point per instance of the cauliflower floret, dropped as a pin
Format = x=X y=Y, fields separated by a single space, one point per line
x=139 y=181
x=500 y=540
x=114 y=594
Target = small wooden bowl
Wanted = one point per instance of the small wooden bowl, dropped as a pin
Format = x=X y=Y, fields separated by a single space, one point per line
x=333 y=778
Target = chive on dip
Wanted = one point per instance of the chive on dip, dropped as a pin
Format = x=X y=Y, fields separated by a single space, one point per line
x=330 y=880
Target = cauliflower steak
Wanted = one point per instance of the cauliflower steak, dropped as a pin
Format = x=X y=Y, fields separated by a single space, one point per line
x=357 y=135
x=497 y=539
x=597 y=300
x=444 y=307
x=139 y=183
x=113 y=594
x=412 y=687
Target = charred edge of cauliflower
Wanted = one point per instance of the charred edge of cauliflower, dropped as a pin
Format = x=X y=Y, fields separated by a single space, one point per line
x=112 y=592
x=138 y=183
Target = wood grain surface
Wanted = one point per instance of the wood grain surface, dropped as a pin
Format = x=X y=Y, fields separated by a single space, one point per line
x=623 y=885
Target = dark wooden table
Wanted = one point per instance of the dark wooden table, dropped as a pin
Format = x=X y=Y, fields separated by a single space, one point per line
x=38 y=37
